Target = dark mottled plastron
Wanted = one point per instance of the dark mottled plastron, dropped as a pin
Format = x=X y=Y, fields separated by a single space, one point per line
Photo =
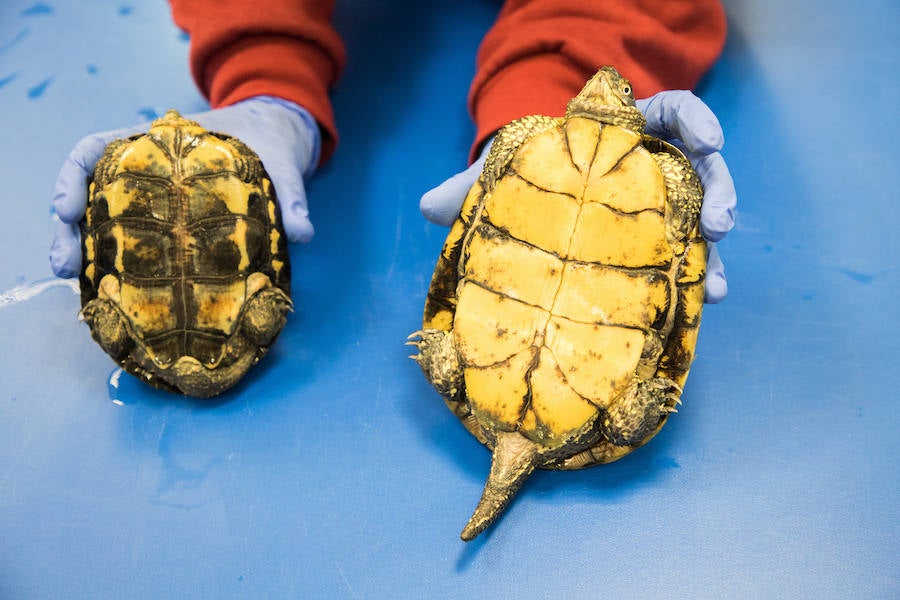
x=180 y=217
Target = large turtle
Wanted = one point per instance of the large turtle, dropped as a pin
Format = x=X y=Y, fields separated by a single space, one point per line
x=562 y=316
x=186 y=276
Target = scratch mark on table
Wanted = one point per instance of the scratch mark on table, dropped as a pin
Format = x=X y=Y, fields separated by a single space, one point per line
x=17 y=460
x=347 y=583
x=395 y=251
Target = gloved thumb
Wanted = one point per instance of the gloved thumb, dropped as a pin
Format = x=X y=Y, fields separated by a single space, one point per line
x=292 y=198
x=286 y=138
x=65 y=253
x=441 y=205
x=681 y=115
x=70 y=192
x=716 y=284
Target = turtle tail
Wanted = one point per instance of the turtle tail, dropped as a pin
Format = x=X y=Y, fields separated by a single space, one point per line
x=514 y=459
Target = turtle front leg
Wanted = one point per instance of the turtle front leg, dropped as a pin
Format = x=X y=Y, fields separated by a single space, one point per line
x=439 y=360
x=639 y=411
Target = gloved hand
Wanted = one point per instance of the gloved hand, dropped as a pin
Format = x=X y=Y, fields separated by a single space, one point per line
x=679 y=117
x=283 y=134
x=682 y=118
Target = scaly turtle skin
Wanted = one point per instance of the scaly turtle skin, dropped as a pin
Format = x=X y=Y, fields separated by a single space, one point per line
x=186 y=279
x=564 y=309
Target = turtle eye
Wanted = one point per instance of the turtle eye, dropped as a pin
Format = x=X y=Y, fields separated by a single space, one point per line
x=626 y=90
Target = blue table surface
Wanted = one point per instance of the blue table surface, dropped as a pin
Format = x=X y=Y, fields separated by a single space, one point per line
x=335 y=471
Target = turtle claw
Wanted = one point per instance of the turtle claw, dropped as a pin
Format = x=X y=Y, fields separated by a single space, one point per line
x=416 y=339
x=418 y=343
x=438 y=360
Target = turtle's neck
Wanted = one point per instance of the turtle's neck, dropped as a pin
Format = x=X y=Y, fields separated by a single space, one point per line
x=623 y=116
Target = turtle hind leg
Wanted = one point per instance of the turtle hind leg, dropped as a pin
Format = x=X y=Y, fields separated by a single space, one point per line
x=639 y=411
x=108 y=327
x=439 y=360
x=265 y=313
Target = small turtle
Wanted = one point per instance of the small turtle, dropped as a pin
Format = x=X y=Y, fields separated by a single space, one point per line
x=186 y=277
x=563 y=313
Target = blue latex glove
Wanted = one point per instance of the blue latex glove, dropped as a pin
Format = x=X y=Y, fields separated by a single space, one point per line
x=676 y=116
x=682 y=118
x=283 y=134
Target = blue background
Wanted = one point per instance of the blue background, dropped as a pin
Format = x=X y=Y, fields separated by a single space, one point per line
x=335 y=471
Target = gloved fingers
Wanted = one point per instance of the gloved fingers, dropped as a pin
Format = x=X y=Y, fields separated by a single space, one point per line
x=441 y=205
x=682 y=118
x=70 y=198
x=719 y=195
x=65 y=252
x=291 y=194
x=680 y=115
x=274 y=128
x=716 y=284
x=70 y=192
x=235 y=120
x=286 y=139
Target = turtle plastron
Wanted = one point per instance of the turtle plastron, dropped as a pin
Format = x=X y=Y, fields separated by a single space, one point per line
x=186 y=274
x=561 y=318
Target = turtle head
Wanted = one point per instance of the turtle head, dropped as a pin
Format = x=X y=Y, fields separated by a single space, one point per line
x=608 y=88
x=173 y=120
x=609 y=98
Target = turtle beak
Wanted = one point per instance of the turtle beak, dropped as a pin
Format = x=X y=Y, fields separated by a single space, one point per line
x=598 y=89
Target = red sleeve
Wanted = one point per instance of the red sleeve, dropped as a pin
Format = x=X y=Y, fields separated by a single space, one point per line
x=284 y=48
x=540 y=53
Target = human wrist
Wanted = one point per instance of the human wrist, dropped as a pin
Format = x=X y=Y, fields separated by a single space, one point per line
x=307 y=121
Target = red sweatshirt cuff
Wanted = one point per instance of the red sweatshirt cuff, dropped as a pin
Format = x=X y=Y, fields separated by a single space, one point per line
x=284 y=48
x=273 y=65
x=540 y=53
x=511 y=94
